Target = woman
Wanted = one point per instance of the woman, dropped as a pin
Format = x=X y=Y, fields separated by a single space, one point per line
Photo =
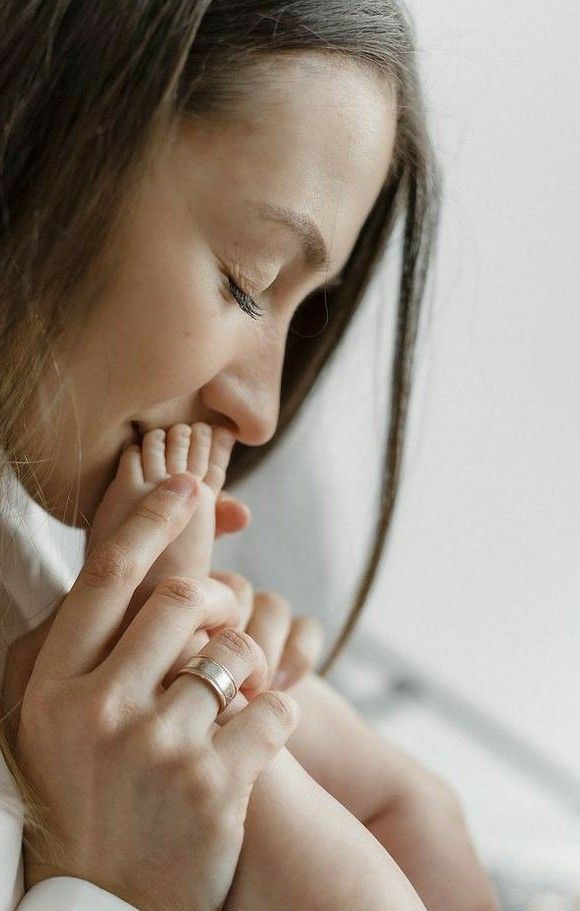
x=190 y=191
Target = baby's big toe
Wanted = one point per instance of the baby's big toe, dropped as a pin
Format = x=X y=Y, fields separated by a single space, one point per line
x=221 y=449
x=199 y=449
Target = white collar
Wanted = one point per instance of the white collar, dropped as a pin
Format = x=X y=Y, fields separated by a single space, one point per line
x=42 y=557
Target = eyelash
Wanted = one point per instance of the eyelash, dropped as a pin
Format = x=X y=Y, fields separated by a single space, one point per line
x=247 y=303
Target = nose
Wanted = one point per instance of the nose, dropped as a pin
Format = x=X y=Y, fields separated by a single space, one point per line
x=247 y=392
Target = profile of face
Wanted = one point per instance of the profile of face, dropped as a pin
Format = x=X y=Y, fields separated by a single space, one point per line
x=171 y=339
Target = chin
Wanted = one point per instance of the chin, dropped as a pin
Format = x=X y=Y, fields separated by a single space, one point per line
x=79 y=513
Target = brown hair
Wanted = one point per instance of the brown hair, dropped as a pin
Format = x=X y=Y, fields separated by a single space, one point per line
x=84 y=90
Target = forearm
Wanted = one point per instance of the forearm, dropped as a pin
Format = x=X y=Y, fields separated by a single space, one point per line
x=303 y=849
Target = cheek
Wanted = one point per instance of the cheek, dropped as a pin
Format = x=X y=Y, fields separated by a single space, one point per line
x=175 y=355
x=164 y=323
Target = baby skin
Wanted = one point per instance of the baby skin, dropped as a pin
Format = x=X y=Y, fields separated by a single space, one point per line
x=302 y=848
x=203 y=451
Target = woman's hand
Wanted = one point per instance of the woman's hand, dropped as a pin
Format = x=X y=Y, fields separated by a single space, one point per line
x=143 y=794
x=232 y=515
x=292 y=645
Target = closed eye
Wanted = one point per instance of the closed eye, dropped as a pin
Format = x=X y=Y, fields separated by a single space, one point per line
x=244 y=300
x=248 y=305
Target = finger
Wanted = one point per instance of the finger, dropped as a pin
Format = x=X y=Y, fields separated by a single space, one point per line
x=239 y=587
x=269 y=626
x=191 y=701
x=231 y=515
x=256 y=734
x=157 y=637
x=244 y=591
x=301 y=652
x=94 y=608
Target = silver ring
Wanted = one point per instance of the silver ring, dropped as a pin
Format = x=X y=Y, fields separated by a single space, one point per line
x=219 y=678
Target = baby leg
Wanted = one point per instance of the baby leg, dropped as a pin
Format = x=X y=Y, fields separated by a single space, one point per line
x=303 y=850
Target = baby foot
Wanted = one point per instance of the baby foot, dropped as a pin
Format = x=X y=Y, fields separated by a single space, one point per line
x=201 y=449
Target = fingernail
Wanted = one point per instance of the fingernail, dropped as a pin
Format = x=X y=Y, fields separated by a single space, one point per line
x=183 y=485
x=280 y=680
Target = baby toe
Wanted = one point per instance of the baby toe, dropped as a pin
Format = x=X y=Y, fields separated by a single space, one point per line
x=221 y=449
x=153 y=455
x=177 y=445
x=198 y=459
x=130 y=468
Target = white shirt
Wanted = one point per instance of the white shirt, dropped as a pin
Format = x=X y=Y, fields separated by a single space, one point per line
x=33 y=572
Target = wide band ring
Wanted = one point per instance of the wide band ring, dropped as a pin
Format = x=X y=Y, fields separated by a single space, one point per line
x=218 y=677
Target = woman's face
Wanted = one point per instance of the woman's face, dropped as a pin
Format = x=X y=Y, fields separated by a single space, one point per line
x=168 y=341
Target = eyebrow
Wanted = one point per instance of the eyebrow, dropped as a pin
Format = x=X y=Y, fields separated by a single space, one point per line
x=313 y=246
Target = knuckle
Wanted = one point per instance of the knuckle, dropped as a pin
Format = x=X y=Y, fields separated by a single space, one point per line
x=276 y=604
x=107 y=564
x=153 y=510
x=279 y=706
x=300 y=661
x=240 y=643
x=239 y=583
x=102 y=713
x=237 y=589
x=275 y=600
x=157 y=744
x=205 y=778
x=183 y=590
x=81 y=714
x=297 y=655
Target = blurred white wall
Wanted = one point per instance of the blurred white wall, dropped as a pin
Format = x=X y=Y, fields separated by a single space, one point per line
x=480 y=585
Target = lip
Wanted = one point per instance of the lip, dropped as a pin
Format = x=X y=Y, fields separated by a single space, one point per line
x=139 y=430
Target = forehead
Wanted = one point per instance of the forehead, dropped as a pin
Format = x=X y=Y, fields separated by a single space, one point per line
x=314 y=142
